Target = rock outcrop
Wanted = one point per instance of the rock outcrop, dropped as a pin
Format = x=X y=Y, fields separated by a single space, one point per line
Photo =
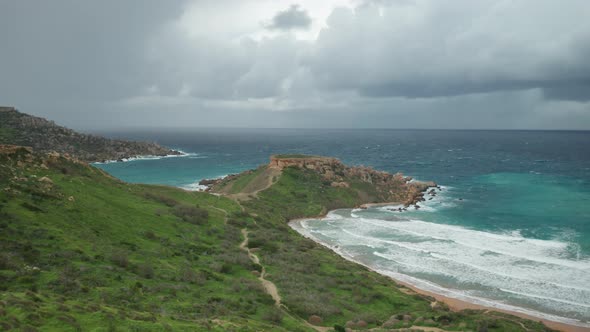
x=374 y=186
x=389 y=187
x=45 y=136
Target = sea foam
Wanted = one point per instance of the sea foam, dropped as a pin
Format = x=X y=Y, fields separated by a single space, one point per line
x=149 y=157
x=503 y=270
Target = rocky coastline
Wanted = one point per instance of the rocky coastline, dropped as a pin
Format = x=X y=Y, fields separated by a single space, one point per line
x=46 y=136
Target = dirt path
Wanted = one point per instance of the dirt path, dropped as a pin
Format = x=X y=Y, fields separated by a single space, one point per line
x=263 y=182
x=223 y=211
x=269 y=286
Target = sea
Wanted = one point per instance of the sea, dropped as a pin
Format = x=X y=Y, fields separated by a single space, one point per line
x=510 y=227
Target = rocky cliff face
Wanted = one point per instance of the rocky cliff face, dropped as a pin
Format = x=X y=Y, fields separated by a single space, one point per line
x=388 y=187
x=45 y=136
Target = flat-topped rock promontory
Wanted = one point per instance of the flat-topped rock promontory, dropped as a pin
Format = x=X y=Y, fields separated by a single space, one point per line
x=366 y=184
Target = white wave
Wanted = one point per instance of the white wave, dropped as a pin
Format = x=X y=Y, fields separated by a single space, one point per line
x=546 y=298
x=503 y=270
x=542 y=251
x=333 y=215
x=147 y=157
x=442 y=200
x=194 y=187
x=464 y=296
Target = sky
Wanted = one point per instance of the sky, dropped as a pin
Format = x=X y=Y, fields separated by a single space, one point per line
x=486 y=64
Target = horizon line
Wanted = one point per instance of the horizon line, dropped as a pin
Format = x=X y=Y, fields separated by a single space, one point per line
x=326 y=128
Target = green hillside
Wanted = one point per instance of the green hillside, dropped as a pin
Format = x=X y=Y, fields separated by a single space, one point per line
x=82 y=251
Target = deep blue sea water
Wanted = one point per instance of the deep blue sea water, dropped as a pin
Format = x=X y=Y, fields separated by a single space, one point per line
x=511 y=227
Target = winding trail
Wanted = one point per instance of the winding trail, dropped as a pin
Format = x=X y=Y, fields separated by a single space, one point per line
x=262 y=182
x=222 y=211
x=269 y=286
x=272 y=289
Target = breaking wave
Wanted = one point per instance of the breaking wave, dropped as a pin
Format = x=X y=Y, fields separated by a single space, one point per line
x=502 y=270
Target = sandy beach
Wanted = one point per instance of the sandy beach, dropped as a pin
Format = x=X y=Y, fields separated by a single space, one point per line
x=457 y=305
x=453 y=303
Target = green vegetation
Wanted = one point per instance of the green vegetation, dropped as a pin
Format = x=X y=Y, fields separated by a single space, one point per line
x=241 y=182
x=81 y=251
x=316 y=281
x=304 y=193
x=18 y=128
x=7 y=134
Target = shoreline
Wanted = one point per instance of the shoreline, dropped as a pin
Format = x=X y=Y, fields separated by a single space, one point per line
x=454 y=304
x=142 y=157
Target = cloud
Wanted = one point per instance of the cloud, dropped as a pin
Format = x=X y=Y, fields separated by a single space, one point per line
x=293 y=18
x=427 y=49
x=384 y=63
x=67 y=50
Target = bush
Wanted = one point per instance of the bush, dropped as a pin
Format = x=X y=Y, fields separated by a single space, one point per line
x=146 y=270
x=274 y=315
x=339 y=328
x=315 y=320
x=191 y=214
x=150 y=235
x=8 y=261
x=67 y=280
x=120 y=259
x=187 y=274
x=169 y=201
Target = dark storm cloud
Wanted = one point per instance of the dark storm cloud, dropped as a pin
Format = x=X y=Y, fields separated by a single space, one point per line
x=453 y=51
x=84 y=50
x=384 y=63
x=578 y=91
x=293 y=18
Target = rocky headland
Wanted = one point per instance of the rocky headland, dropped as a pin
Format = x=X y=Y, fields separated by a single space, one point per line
x=372 y=186
x=42 y=135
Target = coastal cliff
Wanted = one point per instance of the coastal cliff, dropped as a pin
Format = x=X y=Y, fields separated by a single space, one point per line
x=45 y=136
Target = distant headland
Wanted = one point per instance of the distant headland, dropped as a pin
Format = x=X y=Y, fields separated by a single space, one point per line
x=42 y=135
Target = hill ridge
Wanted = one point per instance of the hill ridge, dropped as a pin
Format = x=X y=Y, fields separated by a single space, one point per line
x=44 y=135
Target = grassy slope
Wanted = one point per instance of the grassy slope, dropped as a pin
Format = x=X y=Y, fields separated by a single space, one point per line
x=315 y=281
x=117 y=258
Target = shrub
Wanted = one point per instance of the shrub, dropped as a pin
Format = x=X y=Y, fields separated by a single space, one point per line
x=169 y=201
x=120 y=259
x=191 y=214
x=274 y=315
x=146 y=270
x=187 y=274
x=315 y=320
x=8 y=261
x=150 y=235
x=67 y=280
x=339 y=328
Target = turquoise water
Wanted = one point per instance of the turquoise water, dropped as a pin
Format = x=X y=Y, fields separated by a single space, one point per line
x=511 y=227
